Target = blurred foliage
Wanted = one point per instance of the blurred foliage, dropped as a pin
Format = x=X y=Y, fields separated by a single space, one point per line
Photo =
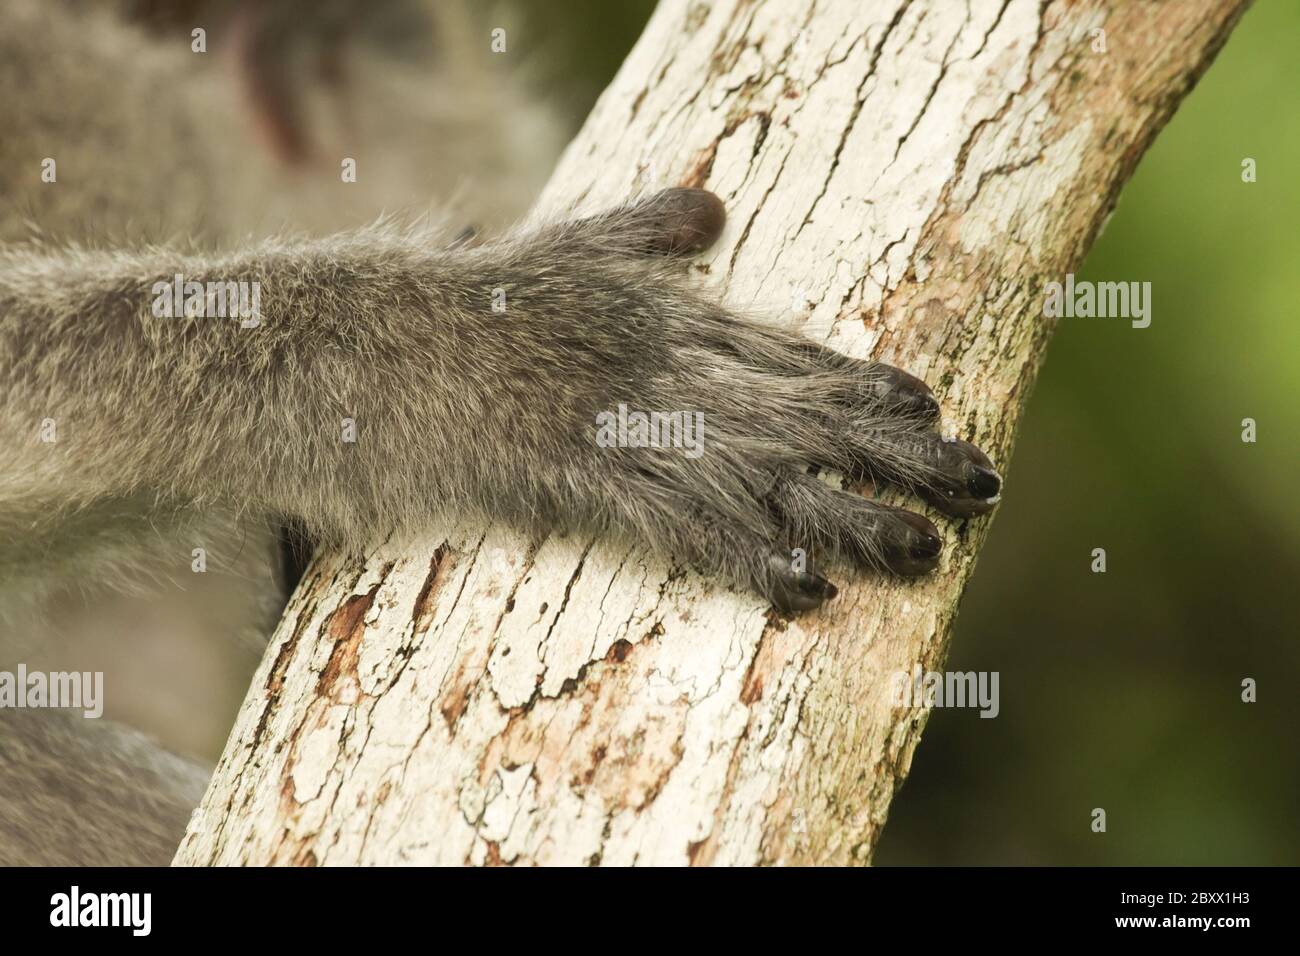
x=1122 y=690
x=576 y=46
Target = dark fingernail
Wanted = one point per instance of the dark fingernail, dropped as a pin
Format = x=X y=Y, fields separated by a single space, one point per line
x=818 y=585
x=693 y=220
x=926 y=548
x=814 y=585
x=969 y=484
x=919 y=546
x=984 y=482
x=922 y=404
x=909 y=393
x=793 y=591
x=924 y=533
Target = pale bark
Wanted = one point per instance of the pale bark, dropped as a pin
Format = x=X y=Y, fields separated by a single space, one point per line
x=905 y=177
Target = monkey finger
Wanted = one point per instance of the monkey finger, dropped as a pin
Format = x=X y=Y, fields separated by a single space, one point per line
x=952 y=475
x=967 y=484
x=684 y=221
x=793 y=590
x=904 y=392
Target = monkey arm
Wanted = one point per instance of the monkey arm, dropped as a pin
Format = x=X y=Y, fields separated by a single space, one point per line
x=325 y=390
x=371 y=379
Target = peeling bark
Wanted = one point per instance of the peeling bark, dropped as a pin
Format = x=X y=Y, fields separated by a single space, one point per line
x=905 y=176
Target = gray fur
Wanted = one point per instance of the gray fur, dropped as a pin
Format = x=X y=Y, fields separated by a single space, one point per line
x=79 y=792
x=457 y=408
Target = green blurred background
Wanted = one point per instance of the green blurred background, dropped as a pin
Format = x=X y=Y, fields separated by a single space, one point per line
x=1123 y=690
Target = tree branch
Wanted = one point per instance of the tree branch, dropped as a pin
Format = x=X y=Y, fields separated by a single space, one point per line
x=905 y=177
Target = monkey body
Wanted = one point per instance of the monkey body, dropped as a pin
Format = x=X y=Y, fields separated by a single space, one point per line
x=116 y=140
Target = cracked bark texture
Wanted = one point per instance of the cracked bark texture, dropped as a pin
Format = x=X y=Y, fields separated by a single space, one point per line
x=904 y=176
